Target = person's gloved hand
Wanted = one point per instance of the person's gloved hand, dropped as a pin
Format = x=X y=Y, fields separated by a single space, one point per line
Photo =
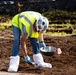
x=42 y=45
x=28 y=60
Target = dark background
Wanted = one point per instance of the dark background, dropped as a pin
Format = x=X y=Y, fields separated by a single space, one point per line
x=11 y=6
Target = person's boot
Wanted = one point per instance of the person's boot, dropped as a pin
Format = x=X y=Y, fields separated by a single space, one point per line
x=14 y=63
x=38 y=59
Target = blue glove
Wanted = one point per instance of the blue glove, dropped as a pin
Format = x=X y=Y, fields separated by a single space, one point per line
x=42 y=45
x=28 y=60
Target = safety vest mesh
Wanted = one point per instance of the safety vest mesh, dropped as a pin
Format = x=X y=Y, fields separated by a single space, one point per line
x=27 y=20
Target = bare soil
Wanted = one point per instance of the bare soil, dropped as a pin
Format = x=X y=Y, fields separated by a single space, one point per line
x=64 y=64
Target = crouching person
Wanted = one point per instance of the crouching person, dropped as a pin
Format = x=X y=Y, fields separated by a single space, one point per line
x=31 y=25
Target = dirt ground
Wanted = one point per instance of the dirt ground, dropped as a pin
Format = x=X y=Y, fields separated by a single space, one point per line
x=64 y=64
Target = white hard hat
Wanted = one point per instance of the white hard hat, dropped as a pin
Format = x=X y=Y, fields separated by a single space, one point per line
x=42 y=24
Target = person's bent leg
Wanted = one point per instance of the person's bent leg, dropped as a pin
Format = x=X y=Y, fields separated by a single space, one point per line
x=14 y=58
x=37 y=56
x=27 y=58
x=16 y=42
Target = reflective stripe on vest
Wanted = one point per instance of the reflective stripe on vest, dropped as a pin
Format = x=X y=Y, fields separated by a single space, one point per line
x=30 y=23
x=24 y=30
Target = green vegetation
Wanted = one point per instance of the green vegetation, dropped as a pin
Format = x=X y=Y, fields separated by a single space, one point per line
x=5 y=21
x=62 y=23
x=57 y=34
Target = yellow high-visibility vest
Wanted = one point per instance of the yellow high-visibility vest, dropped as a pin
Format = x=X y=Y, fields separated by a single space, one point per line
x=28 y=20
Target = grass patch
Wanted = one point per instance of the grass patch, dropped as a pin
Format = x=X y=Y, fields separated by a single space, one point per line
x=57 y=34
x=58 y=19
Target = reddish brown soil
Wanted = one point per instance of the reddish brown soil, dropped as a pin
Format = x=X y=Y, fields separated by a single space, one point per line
x=64 y=64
